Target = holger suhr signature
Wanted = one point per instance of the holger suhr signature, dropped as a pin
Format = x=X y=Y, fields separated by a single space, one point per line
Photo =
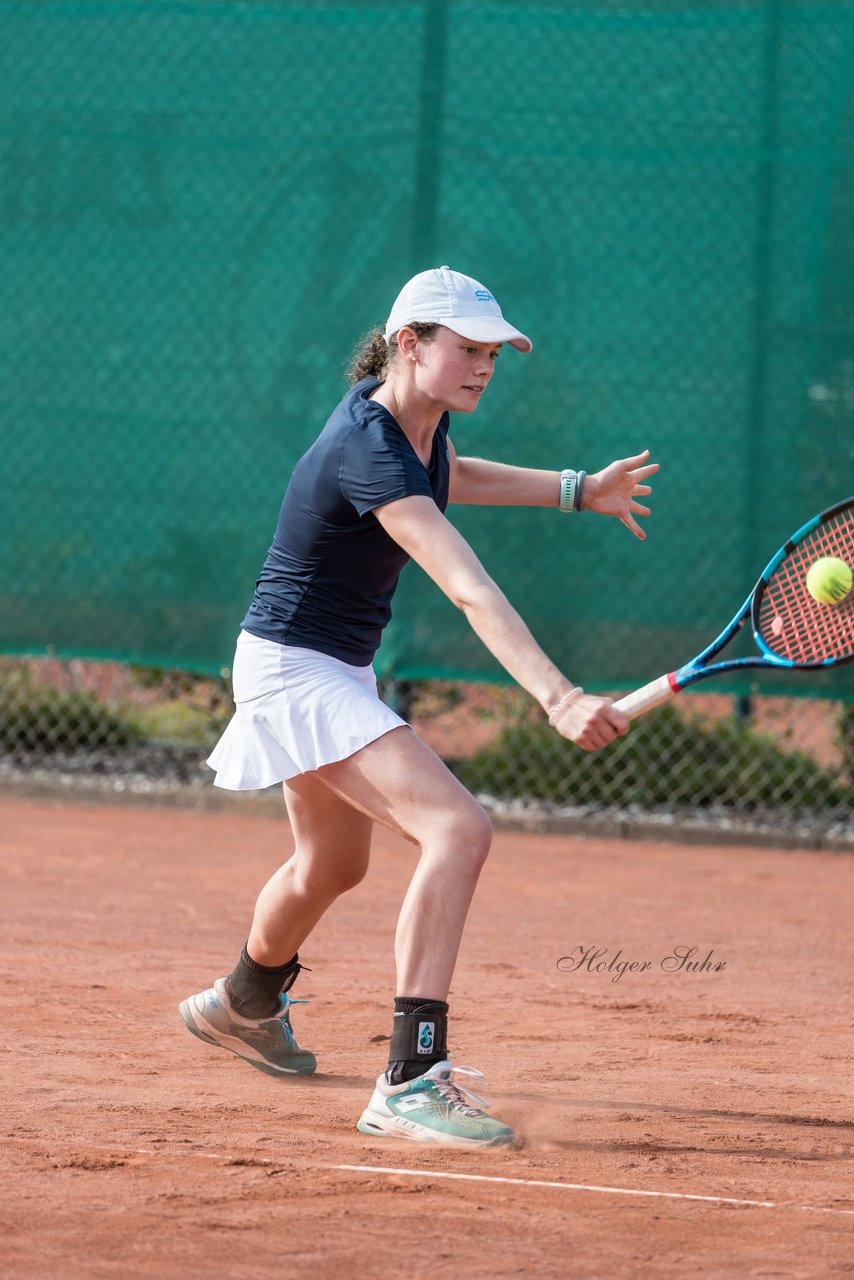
x=681 y=959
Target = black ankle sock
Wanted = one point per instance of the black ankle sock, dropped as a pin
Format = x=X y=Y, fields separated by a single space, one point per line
x=418 y=1039
x=254 y=988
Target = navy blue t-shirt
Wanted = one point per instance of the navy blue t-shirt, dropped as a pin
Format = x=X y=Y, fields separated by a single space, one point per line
x=331 y=572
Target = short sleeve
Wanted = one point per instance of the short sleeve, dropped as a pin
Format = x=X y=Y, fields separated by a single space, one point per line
x=378 y=465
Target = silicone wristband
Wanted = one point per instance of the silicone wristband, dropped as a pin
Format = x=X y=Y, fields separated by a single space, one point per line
x=568 y=485
x=579 y=490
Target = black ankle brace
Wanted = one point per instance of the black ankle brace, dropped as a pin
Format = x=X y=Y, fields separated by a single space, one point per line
x=254 y=988
x=419 y=1037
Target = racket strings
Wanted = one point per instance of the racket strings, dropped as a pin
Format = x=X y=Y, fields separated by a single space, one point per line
x=791 y=623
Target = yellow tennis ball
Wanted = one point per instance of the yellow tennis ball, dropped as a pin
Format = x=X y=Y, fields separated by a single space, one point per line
x=829 y=580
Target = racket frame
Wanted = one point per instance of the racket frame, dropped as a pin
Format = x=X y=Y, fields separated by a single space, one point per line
x=666 y=687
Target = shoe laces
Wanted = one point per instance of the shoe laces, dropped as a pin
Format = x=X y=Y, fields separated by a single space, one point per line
x=283 y=1017
x=457 y=1095
x=284 y=1010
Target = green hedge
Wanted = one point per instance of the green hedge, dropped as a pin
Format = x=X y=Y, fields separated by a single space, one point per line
x=39 y=717
x=665 y=759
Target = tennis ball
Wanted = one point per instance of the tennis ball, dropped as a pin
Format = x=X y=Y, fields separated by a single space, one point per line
x=829 y=580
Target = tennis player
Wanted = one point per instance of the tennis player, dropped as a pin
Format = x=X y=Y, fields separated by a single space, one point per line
x=369 y=495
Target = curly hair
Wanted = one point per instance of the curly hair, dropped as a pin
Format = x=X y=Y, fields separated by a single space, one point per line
x=373 y=356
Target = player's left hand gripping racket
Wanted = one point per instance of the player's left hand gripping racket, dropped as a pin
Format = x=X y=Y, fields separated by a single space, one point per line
x=791 y=629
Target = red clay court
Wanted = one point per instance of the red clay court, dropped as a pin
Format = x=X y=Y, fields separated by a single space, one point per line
x=671 y=1124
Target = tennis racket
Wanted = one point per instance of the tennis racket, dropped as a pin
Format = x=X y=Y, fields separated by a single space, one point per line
x=791 y=629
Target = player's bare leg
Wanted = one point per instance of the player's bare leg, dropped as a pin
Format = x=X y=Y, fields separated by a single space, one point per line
x=333 y=845
x=249 y=1011
x=398 y=781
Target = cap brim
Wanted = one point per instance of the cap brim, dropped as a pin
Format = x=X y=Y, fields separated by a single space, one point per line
x=488 y=329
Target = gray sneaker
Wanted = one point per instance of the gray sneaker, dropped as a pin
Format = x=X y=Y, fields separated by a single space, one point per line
x=265 y=1043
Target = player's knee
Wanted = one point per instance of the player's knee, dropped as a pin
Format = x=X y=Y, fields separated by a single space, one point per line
x=348 y=874
x=470 y=834
x=328 y=880
x=482 y=835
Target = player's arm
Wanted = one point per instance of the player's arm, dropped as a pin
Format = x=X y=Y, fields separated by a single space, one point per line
x=419 y=527
x=611 y=492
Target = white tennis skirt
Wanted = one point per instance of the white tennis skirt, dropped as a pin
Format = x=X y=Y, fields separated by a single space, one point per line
x=296 y=709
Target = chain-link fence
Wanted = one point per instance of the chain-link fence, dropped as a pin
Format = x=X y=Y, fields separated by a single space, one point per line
x=203 y=204
x=782 y=765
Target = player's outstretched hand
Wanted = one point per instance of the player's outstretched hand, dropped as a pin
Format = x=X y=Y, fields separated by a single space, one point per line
x=591 y=722
x=613 y=492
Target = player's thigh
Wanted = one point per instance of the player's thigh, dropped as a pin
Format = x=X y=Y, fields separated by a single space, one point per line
x=399 y=781
x=328 y=832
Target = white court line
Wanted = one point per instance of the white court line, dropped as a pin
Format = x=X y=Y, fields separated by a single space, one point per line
x=465 y=1177
x=582 y=1186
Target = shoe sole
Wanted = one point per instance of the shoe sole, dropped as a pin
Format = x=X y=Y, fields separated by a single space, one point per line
x=222 y=1042
x=377 y=1128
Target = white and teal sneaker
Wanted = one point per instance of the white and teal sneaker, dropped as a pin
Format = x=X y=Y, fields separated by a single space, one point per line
x=266 y=1043
x=433 y=1108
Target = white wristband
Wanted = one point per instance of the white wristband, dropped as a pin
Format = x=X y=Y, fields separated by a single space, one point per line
x=564 y=703
x=568 y=484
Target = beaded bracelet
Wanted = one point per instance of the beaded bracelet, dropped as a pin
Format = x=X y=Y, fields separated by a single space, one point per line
x=564 y=703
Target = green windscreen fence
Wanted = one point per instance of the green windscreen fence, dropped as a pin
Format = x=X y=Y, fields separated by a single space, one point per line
x=205 y=204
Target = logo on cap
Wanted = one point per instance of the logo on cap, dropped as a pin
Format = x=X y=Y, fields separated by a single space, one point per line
x=483 y=296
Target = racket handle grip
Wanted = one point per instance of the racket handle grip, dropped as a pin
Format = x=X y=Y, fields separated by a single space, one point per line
x=649 y=696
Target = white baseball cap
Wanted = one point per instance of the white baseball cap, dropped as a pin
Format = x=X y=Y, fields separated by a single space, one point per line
x=446 y=297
